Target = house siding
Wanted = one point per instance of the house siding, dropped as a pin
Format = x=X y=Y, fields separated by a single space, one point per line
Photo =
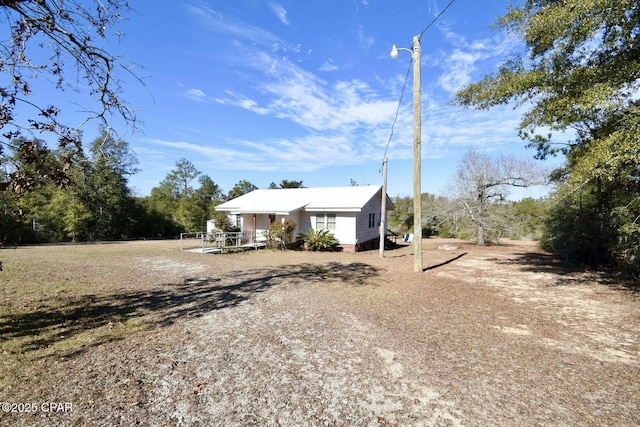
x=345 y=225
x=368 y=237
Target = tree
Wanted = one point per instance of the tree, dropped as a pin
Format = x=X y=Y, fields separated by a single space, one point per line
x=581 y=73
x=446 y=218
x=94 y=204
x=285 y=183
x=208 y=196
x=481 y=180
x=526 y=218
x=401 y=218
x=58 y=41
x=180 y=178
x=72 y=212
x=583 y=66
x=177 y=200
x=29 y=163
x=22 y=207
x=242 y=187
x=103 y=188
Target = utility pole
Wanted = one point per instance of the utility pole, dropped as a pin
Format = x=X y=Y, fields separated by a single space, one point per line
x=417 y=150
x=383 y=213
x=417 y=155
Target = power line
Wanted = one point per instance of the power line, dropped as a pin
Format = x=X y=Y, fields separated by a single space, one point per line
x=437 y=17
x=406 y=78
x=395 y=119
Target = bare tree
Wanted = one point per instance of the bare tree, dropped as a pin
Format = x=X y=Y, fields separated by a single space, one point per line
x=482 y=180
x=61 y=42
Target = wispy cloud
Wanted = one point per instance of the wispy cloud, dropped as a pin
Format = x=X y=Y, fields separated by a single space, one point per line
x=459 y=65
x=241 y=101
x=280 y=12
x=343 y=121
x=468 y=56
x=309 y=153
x=234 y=28
x=195 y=95
x=365 y=40
x=292 y=93
x=328 y=66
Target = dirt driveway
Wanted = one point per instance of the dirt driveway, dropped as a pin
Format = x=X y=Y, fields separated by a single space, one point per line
x=503 y=335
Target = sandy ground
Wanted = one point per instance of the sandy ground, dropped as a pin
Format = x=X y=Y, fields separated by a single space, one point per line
x=502 y=335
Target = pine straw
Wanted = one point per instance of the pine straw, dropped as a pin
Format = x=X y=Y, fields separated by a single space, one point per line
x=140 y=333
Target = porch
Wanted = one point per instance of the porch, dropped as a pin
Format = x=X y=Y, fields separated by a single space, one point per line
x=219 y=241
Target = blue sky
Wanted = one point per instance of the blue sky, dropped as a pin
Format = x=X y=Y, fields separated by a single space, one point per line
x=306 y=90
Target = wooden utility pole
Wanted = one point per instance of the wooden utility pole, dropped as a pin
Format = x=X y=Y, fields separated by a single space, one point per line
x=417 y=156
x=417 y=151
x=383 y=211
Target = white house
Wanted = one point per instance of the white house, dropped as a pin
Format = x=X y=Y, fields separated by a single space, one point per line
x=351 y=214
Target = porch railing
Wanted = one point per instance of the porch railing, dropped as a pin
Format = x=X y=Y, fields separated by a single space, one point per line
x=217 y=242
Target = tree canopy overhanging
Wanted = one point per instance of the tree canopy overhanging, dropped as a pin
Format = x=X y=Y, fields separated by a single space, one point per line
x=580 y=72
x=61 y=42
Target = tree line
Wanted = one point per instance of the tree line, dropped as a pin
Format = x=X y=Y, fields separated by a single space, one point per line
x=478 y=207
x=579 y=72
x=95 y=201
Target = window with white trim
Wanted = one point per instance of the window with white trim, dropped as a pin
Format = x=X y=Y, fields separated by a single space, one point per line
x=331 y=222
x=326 y=222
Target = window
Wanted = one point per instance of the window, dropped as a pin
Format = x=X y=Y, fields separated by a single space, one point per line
x=239 y=221
x=331 y=222
x=326 y=222
x=372 y=219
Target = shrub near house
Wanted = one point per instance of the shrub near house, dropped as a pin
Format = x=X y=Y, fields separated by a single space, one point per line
x=318 y=240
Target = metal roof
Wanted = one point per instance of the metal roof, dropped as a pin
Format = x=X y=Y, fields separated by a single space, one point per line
x=285 y=201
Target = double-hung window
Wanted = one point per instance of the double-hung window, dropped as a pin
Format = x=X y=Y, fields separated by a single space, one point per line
x=325 y=221
x=331 y=222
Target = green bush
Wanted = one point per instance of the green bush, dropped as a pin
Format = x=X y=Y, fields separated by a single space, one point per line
x=280 y=235
x=318 y=240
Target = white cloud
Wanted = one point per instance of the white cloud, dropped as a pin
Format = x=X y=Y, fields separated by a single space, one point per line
x=460 y=65
x=280 y=12
x=470 y=57
x=328 y=66
x=241 y=101
x=195 y=94
x=309 y=153
x=234 y=28
x=293 y=93
x=365 y=41
x=347 y=122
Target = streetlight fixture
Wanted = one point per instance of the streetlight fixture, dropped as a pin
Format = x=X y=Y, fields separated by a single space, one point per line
x=417 y=150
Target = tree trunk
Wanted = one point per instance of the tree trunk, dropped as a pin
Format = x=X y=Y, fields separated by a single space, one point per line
x=481 y=218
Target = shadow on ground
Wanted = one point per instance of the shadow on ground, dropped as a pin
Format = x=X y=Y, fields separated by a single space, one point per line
x=163 y=304
x=442 y=264
x=571 y=274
